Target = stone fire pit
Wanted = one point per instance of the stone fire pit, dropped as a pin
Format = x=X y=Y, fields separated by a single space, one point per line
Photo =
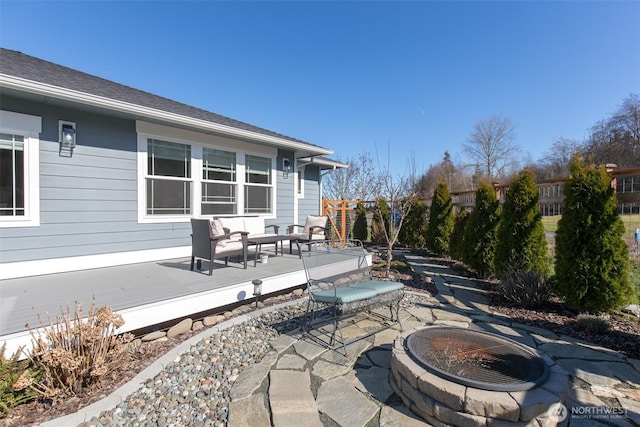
x=455 y=376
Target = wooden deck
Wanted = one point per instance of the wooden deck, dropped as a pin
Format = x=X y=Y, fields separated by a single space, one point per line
x=144 y=294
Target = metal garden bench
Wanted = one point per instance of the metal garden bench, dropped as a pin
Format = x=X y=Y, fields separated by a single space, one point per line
x=340 y=284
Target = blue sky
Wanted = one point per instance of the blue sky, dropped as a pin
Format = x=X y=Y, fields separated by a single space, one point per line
x=399 y=80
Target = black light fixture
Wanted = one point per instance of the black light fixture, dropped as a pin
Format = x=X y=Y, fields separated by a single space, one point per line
x=67 y=136
x=286 y=168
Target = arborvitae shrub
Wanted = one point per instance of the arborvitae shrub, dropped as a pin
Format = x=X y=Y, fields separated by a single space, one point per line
x=380 y=223
x=456 y=243
x=480 y=231
x=592 y=259
x=440 y=223
x=360 y=229
x=521 y=245
x=414 y=227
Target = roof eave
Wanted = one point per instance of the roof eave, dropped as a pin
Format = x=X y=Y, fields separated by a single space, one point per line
x=322 y=162
x=70 y=95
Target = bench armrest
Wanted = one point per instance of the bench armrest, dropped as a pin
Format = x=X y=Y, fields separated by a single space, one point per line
x=291 y=228
x=274 y=226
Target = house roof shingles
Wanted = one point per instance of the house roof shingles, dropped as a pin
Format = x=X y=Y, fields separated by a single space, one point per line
x=27 y=67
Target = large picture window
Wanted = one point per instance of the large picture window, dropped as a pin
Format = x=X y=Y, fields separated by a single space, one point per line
x=258 y=185
x=168 y=183
x=183 y=174
x=219 y=184
x=11 y=175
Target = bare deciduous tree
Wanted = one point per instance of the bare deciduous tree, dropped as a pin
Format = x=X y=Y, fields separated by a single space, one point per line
x=555 y=162
x=397 y=192
x=617 y=139
x=357 y=182
x=491 y=145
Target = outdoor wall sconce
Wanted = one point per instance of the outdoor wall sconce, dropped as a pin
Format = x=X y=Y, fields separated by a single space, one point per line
x=286 y=168
x=257 y=289
x=67 y=136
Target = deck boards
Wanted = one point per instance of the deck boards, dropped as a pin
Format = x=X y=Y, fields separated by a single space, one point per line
x=155 y=290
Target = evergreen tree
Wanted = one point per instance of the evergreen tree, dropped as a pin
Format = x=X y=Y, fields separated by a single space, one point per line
x=592 y=259
x=360 y=229
x=521 y=245
x=480 y=231
x=440 y=223
x=380 y=223
x=456 y=243
x=414 y=228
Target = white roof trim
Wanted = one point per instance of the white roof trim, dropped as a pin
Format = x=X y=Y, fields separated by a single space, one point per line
x=58 y=92
x=307 y=160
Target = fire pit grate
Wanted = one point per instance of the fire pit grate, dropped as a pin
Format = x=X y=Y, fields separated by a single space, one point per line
x=477 y=359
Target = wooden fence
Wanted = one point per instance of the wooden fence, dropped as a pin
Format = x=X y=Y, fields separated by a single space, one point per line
x=338 y=212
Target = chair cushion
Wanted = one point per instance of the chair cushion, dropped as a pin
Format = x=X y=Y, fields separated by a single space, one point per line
x=230 y=246
x=233 y=224
x=379 y=286
x=344 y=295
x=253 y=225
x=315 y=221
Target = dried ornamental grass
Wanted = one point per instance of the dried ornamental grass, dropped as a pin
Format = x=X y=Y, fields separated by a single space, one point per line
x=74 y=352
x=593 y=323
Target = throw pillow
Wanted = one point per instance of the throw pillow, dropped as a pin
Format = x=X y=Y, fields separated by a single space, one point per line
x=218 y=230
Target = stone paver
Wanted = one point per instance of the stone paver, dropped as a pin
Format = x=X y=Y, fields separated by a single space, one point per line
x=291 y=401
x=374 y=382
x=249 y=412
x=251 y=378
x=327 y=370
x=292 y=362
x=399 y=416
x=341 y=402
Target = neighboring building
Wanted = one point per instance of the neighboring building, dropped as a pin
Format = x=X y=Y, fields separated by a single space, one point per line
x=94 y=173
x=626 y=182
x=551 y=196
x=627 y=185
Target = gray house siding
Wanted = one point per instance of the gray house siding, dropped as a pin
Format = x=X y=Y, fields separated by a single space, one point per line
x=285 y=194
x=310 y=204
x=88 y=201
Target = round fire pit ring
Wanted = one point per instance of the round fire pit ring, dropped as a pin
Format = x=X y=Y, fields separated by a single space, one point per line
x=477 y=359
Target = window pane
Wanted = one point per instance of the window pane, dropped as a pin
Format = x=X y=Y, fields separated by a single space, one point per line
x=165 y=197
x=11 y=175
x=218 y=198
x=215 y=209
x=218 y=165
x=257 y=199
x=258 y=170
x=168 y=159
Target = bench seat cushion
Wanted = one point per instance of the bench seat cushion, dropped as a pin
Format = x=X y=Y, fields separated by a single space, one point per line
x=380 y=286
x=229 y=246
x=344 y=295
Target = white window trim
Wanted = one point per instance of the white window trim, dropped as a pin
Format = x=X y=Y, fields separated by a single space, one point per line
x=30 y=127
x=197 y=141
